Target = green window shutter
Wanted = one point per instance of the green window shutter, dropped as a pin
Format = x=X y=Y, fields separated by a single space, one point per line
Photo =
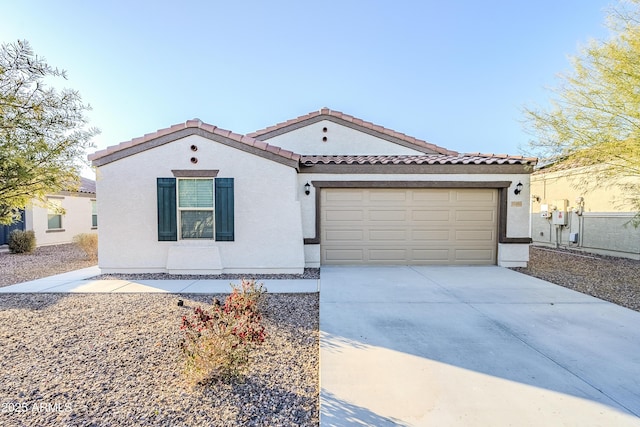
x=167 y=212
x=224 y=209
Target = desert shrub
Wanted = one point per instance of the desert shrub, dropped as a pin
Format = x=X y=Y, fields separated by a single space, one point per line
x=217 y=343
x=88 y=242
x=21 y=242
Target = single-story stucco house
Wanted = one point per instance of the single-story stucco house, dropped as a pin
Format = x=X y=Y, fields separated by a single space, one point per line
x=60 y=217
x=324 y=188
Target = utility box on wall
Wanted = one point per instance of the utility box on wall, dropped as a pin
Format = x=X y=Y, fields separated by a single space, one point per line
x=544 y=211
x=559 y=216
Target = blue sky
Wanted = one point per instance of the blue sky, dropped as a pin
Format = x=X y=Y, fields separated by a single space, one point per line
x=454 y=73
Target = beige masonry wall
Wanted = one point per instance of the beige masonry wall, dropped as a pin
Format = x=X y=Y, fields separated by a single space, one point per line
x=268 y=228
x=603 y=226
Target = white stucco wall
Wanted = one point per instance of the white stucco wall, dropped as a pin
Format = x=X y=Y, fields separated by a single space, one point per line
x=340 y=140
x=509 y=255
x=268 y=228
x=75 y=220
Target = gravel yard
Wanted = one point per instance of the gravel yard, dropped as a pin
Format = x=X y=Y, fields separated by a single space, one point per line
x=609 y=278
x=42 y=262
x=112 y=360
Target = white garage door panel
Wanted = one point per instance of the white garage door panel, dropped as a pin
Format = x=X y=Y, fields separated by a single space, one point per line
x=348 y=255
x=386 y=255
x=408 y=226
x=474 y=255
x=386 y=215
x=431 y=196
x=388 y=196
x=476 y=216
x=474 y=235
x=344 y=215
x=476 y=196
x=429 y=215
x=343 y=235
x=388 y=235
x=430 y=235
x=344 y=195
x=431 y=255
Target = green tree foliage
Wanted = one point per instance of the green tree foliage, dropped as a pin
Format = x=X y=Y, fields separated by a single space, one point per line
x=594 y=119
x=43 y=134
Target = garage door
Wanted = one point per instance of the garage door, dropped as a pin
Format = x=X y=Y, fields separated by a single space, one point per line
x=408 y=226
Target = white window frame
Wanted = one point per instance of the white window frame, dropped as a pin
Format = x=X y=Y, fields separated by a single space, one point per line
x=54 y=208
x=94 y=213
x=191 y=209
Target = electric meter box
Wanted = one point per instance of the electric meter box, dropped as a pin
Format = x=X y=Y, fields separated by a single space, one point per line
x=544 y=211
x=559 y=216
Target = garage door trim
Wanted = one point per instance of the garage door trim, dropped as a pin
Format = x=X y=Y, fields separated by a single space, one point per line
x=501 y=186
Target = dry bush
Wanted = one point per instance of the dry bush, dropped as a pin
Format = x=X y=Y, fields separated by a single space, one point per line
x=218 y=342
x=88 y=242
x=21 y=242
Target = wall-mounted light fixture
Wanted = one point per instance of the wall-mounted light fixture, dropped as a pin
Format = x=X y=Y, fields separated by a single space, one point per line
x=535 y=199
x=307 y=188
x=518 y=189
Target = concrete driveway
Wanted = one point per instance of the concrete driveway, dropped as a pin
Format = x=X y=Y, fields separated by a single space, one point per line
x=472 y=346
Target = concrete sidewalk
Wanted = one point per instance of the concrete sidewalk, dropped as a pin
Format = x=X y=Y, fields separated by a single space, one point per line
x=77 y=282
x=472 y=346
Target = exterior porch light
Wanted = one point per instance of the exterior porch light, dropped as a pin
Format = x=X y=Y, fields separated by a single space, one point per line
x=307 y=188
x=518 y=189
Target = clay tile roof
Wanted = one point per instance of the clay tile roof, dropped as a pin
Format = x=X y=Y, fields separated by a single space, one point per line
x=196 y=123
x=81 y=185
x=87 y=185
x=368 y=125
x=420 y=159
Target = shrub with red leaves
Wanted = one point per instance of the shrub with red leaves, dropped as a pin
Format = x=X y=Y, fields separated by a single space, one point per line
x=217 y=342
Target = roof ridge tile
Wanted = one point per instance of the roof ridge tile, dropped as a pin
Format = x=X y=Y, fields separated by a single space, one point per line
x=198 y=124
x=359 y=122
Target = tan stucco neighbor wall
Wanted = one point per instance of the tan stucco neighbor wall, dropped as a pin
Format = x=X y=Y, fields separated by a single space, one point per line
x=604 y=224
x=550 y=186
x=268 y=230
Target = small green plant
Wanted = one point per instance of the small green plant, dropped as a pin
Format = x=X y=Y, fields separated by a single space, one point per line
x=21 y=242
x=88 y=242
x=218 y=342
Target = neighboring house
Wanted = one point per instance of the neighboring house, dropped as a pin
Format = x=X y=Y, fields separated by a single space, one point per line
x=66 y=215
x=5 y=230
x=597 y=220
x=324 y=188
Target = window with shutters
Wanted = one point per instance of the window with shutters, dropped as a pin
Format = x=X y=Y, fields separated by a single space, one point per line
x=196 y=208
